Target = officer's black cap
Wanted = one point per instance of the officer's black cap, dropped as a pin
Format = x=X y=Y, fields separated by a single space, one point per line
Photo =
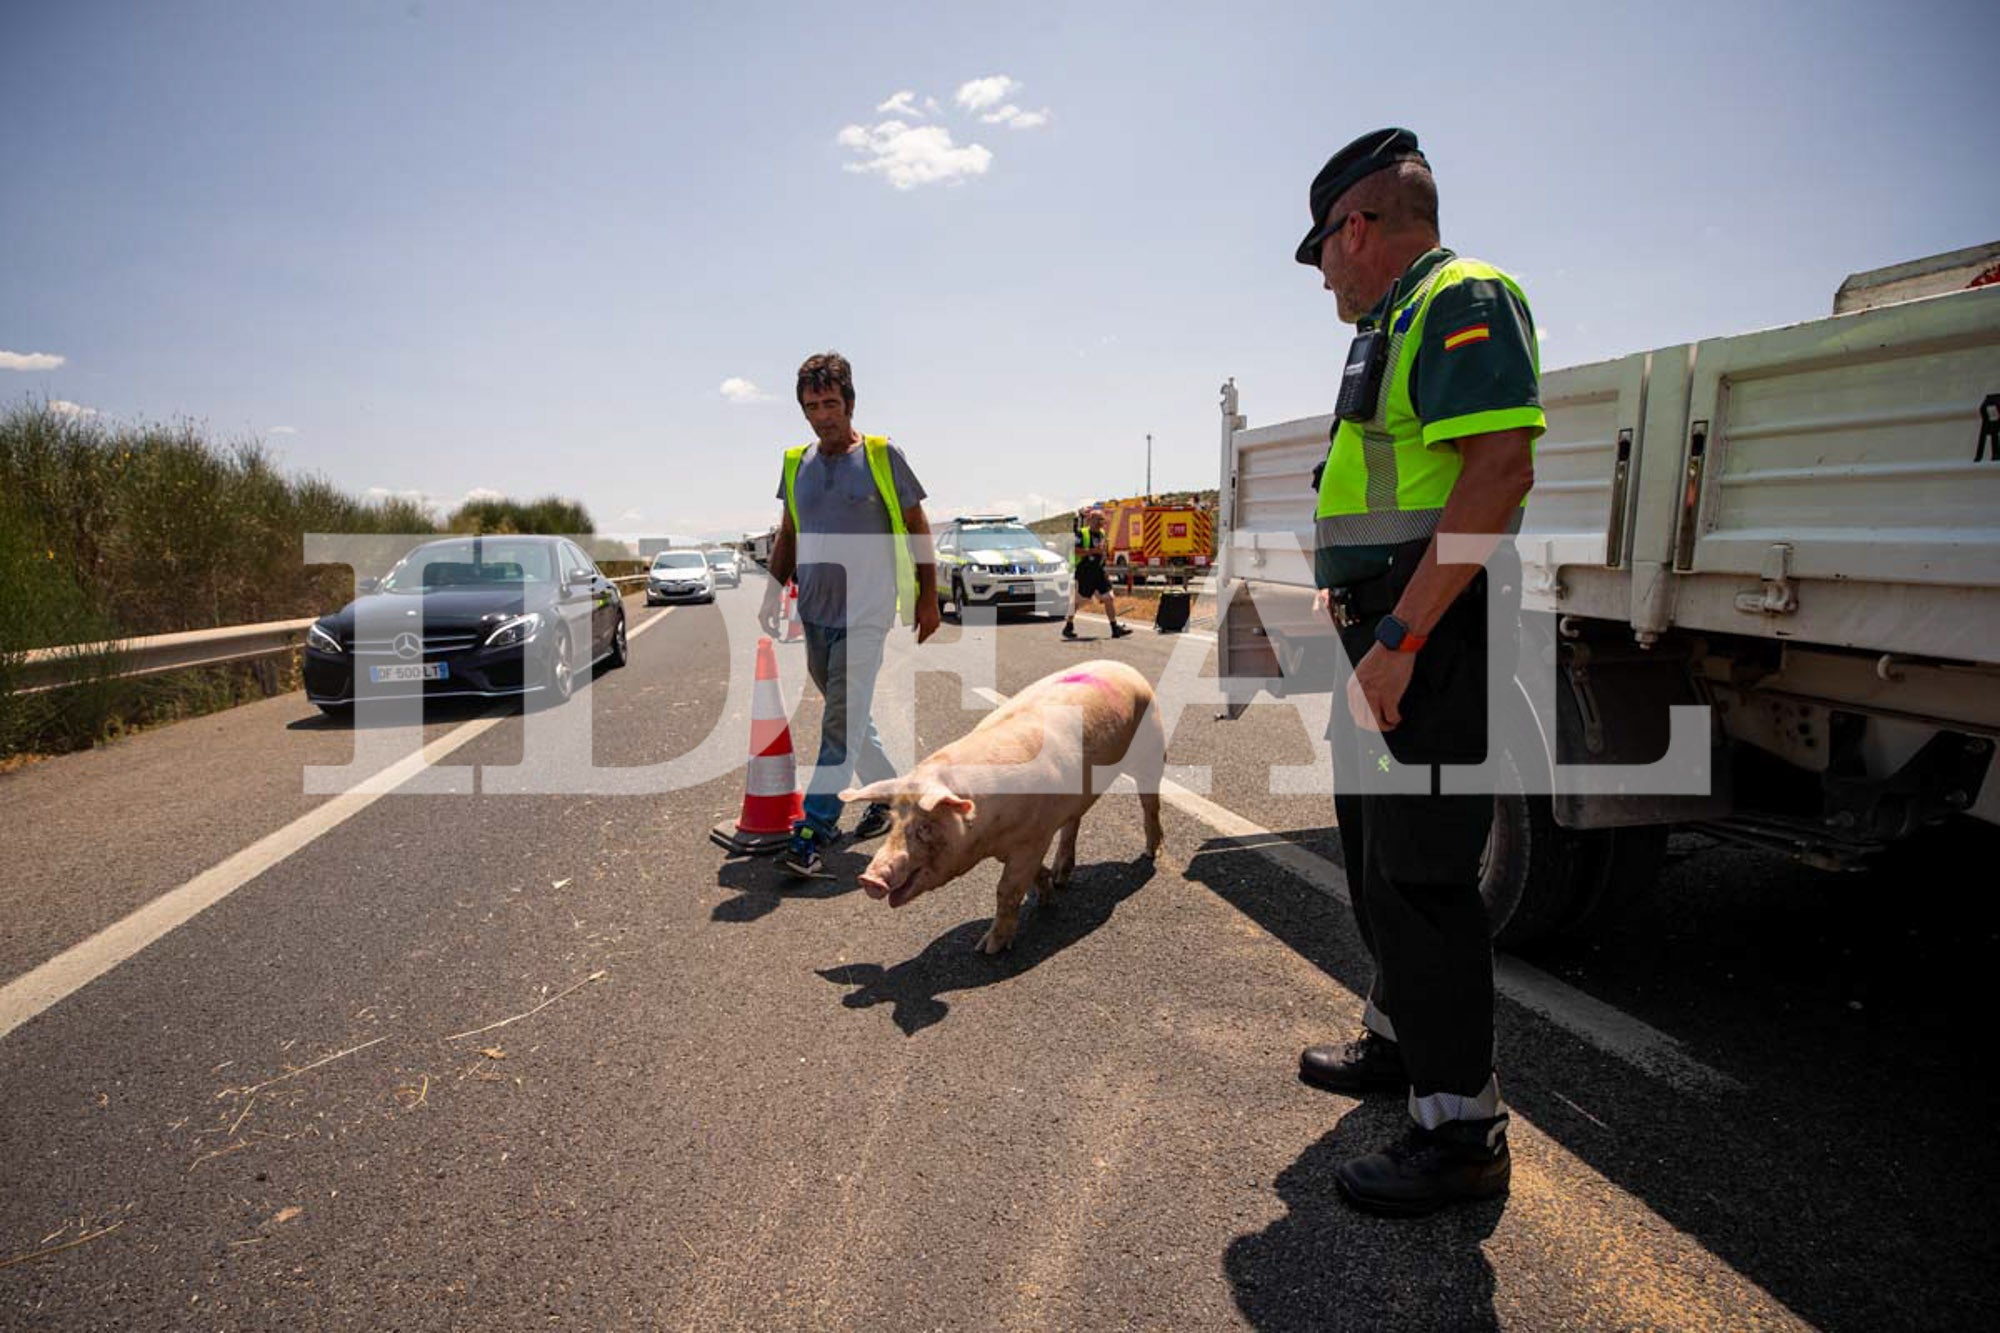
x=1364 y=157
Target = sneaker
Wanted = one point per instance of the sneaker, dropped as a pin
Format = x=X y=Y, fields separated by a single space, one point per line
x=803 y=854
x=1119 y=631
x=1370 y=1063
x=874 y=823
x=1069 y=629
x=1427 y=1170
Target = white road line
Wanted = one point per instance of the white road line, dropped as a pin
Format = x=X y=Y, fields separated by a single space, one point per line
x=74 y=968
x=635 y=633
x=1609 y=1029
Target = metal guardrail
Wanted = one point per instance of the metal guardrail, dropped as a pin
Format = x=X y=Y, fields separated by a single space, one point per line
x=52 y=668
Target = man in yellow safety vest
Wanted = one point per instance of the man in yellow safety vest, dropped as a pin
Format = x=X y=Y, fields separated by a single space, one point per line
x=1087 y=572
x=853 y=534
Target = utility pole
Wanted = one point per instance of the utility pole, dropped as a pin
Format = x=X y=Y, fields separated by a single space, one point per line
x=1149 y=465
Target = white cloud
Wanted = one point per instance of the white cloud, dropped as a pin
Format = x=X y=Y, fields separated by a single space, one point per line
x=430 y=504
x=1014 y=118
x=909 y=156
x=63 y=407
x=631 y=516
x=904 y=104
x=282 y=430
x=979 y=94
x=739 y=390
x=30 y=360
x=482 y=493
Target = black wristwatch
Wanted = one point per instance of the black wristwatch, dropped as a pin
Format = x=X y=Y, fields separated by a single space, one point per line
x=1397 y=637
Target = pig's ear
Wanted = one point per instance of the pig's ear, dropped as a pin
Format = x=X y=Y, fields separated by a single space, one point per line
x=937 y=794
x=886 y=790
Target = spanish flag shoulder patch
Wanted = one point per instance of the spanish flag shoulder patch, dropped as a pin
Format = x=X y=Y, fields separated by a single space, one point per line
x=1471 y=333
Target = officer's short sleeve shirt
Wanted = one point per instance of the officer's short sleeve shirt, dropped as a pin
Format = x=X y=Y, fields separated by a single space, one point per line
x=1476 y=368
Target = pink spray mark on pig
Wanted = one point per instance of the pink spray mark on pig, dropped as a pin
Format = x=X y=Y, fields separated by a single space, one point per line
x=1089 y=678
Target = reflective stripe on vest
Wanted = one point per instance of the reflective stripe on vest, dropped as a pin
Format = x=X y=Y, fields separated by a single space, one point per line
x=876 y=448
x=1382 y=485
x=1087 y=544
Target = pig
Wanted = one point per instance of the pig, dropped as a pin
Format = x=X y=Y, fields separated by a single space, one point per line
x=1008 y=787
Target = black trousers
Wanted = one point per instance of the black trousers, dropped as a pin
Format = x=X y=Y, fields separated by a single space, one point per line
x=1412 y=860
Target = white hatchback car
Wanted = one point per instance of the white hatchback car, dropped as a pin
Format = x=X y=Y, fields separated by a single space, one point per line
x=679 y=576
x=726 y=568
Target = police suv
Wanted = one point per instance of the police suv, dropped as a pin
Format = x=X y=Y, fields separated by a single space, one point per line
x=994 y=560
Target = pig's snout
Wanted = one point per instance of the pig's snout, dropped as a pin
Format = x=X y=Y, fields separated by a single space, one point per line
x=886 y=873
x=892 y=875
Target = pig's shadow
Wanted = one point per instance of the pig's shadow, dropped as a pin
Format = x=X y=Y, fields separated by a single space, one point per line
x=762 y=885
x=952 y=961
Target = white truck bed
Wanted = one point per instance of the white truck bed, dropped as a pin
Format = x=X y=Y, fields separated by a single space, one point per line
x=1816 y=484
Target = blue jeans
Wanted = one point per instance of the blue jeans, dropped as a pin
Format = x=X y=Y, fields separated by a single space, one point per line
x=843 y=663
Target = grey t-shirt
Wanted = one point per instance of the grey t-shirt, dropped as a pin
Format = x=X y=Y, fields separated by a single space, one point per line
x=837 y=497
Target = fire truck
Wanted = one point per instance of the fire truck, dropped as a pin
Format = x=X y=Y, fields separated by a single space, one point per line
x=1151 y=536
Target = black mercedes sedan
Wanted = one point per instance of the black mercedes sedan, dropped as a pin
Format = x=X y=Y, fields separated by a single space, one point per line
x=480 y=617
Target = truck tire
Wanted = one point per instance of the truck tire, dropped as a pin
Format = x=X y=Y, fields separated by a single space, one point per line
x=1629 y=863
x=1534 y=871
x=1544 y=883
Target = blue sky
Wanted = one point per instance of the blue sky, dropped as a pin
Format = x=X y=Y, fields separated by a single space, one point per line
x=433 y=248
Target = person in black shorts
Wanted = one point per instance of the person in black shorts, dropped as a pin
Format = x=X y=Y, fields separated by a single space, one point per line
x=1087 y=559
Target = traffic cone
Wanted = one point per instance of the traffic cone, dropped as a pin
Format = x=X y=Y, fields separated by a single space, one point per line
x=771 y=803
x=793 y=630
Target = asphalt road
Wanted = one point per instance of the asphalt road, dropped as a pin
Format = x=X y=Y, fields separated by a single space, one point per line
x=544 y=1060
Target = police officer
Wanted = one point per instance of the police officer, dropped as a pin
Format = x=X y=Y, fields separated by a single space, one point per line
x=1433 y=446
x=1087 y=572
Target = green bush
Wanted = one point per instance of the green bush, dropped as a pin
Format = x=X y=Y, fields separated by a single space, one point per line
x=110 y=532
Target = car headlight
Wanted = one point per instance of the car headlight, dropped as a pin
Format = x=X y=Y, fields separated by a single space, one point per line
x=512 y=633
x=317 y=637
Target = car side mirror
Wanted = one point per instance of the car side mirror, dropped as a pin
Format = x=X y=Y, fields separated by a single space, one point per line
x=367 y=586
x=580 y=577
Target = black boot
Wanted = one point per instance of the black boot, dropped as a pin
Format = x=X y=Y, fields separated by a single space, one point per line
x=1459 y=1162
x=1370 y=1063
x=1069 y=629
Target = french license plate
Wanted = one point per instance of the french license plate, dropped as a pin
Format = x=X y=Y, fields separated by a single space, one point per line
x=386 y=675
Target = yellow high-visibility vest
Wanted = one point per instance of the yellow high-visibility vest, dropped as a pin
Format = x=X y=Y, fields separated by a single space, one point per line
x=876 y=448
x=1383 y=482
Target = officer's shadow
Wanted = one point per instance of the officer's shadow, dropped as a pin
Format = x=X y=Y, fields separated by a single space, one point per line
x=1325 y=1265
x=952 y=961
x=762 y=885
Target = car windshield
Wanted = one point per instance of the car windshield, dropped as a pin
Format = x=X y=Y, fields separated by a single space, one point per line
x=999 y=539
x=679 y=560
x=474 y=562
x=721 y=558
